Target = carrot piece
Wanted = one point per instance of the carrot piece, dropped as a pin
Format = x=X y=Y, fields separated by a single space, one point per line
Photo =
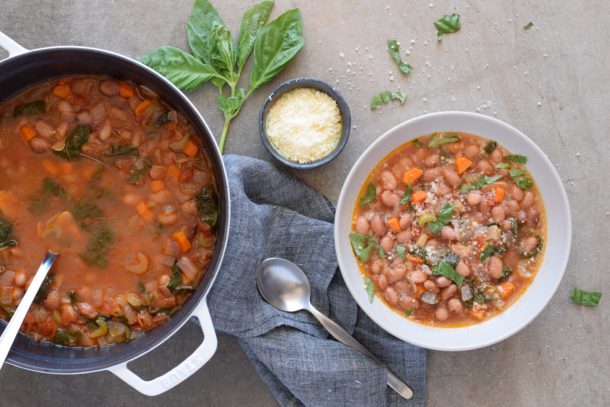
x=62 y=91
x=414 y=259
x=420 y=290
x=157 y=185
x=394 y=225
x=409 y=177
x=66 y=168
x=419 y=196
x=180 y=237
x=126 y=90
x=478 y=315
x=190 y=148
x=499 y=194
x=27 y=132
x=462 y=164
x=50 y=166
x=145 y=212
x=174 y=170
x=142 y=106
x=508 y=289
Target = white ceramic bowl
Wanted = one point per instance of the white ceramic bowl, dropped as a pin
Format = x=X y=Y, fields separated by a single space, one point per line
x=558 y=238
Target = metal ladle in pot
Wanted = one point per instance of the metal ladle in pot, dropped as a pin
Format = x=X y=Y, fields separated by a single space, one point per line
x=285 y=286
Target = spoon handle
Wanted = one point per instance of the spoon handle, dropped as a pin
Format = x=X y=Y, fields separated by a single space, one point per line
x=12 y=328
x=345 y=338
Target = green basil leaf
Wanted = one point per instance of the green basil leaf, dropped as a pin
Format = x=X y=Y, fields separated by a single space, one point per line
x=394 y=50
x=387 y=96
x=369 y=196
x=116 y=150
x=253 y=20
x=502 y=166
x=361 y=245
x=75 y=140
x=230 y=105
x=200 y=30
x=506 y=273
x=528 y=26
x=447 y=24
x=275 y=45
x=407 y=195
x=30 y=108
x=586 y=298
x=491 y=250
x=207 y=206
x=223 y=53
x=490 y=147
x=440 y=141
x=370 y=288
x=182 y=69
x=521 y=178
x=408 y=312
x=516 y=158
x=400 y=251
x=444 y=269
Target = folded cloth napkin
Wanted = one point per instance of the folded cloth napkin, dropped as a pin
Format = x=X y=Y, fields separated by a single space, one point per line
x=275 y=215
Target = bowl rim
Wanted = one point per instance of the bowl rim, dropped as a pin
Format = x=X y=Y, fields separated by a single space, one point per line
x=403 y=333
x=305 y=82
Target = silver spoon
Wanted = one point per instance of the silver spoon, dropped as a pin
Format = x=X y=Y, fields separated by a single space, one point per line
x=284 y=285
x=12 y=328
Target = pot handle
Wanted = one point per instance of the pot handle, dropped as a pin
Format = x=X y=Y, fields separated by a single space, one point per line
x=184 y=370
x=10 y=45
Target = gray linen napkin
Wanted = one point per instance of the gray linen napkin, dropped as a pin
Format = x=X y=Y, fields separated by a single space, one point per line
x=275 y=215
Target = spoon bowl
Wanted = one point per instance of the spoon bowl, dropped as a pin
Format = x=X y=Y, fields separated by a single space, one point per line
x=283 y=285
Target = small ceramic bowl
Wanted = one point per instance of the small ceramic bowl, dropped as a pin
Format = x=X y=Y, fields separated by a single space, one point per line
x=305 y=83
x=558 y=239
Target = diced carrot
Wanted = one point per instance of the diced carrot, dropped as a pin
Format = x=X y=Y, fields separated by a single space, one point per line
x=190 y=148
x=142 y=106
x=498 y=194
x=419 y=196
x=175 y=171
x=66 y=168
x=508 y=289
x=394 y=225
x=409 y=177
x=27 y=132
x=180 y=237
x=462 y=164
x=478 y=315
x=420 y=290
x=414 y=259
x=145 y=212
x=87 y=172
x=62 y=91
x=126 y=90
x=50 y=166
x=157 y=185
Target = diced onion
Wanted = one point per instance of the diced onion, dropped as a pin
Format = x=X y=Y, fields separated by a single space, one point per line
x=187 y=267
x=429 y=298
x=6 y=278
x=116 y=329
x=466 y=293
x=167 y=260
x=171 y=248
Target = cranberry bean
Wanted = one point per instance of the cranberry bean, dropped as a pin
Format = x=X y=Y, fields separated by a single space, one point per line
x=455 y=148
x=44 y=129
x=430 y=286
x=485 y=167
x=507 y=225
x=432 y=243
x=533 y=217
x=443 y=189
x=395 y=272
x=378 y=225
x=432 y=160
x=404 y=236
x=455 y=305
x=448 y=233
x=471 y=151
x=516 y=192
x=390 y=296
x=98 y=112
x=377 y=266
x=497 y=214
x=387 y=243
x=462 y=269
x=529 y=243
x=390 y=199
x=511 y=258
x=388 y=180
x=417 y=276
x=405 y=221
x=408 y=302
x=449 y=292
x=403 y=287
x=474 y=197
x=442 y=282
x=109 y=88
x=484 y=207
x=521 y=216
x=382 y=281
x=496 y=155
x=441 y=313
x=20 y=279
x=362 y=225
x=495 y=267
x=451 y=177
x=511 y=206
x=528 y=200
x=39 y=145
x=52 y=301
x=84 y=118
x=431 y=174
x=157 y=172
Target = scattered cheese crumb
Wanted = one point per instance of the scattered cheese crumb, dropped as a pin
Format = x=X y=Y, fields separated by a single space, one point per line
x=304 y=125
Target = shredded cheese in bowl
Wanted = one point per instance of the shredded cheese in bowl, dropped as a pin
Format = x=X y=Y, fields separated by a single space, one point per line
x=304 y=125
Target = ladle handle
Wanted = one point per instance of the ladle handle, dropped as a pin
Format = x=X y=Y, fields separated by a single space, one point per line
x=345 y=338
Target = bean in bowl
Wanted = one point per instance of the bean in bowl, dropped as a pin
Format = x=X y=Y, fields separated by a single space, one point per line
x=449 y=229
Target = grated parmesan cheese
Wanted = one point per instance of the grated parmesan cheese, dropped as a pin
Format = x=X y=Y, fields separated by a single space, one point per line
x=304 y=125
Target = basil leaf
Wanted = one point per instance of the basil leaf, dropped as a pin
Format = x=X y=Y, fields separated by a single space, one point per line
x=442 y=218
x=253 y=20
x=516 y=158
x=387 y=96
x=223 y=54
x=491 y=250
x=506 y=273
x=490 y=147
x=447 y=24
x=207 y=206
x=361 y=246
x=116 y=150
x=369 y=196
x=439 y=141
x=394 y=50
x=484 y=180
x=528 y=26
x=400 y=251
x=30 y=108
x=75 y=141
x=53 y=188
x=180 y=68
x=230 y=105
x=407 y=195
x=275 y=45
x=586 y=298
x=370 y=289
x=408 y=312
x=200 y=30
x=502 y=166
x=521 y=178
x=444 y=269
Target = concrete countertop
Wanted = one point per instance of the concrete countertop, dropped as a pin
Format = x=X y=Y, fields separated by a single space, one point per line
x=550 y=81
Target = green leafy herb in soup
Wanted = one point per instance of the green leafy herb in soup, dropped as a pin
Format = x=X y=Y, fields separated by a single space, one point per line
x=114 y=179
x=449 y=229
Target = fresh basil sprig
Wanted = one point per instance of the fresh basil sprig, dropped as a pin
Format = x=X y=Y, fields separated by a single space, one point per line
x=444 y=269
x=216 y=59
x=387 y=96
x=394 y=50
x=447 y=24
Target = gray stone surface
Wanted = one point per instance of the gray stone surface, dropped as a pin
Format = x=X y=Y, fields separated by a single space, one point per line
x=550 y=81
